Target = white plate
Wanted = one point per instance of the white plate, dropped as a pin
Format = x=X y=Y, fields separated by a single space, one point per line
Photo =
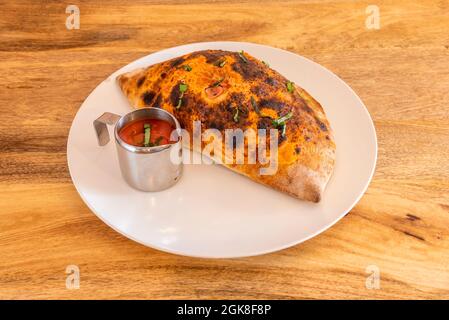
x=213 y=212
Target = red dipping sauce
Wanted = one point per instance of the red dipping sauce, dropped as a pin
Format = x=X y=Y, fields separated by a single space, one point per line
x=133 y=133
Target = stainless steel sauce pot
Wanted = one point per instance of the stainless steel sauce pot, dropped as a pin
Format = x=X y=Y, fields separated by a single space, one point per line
x=144 y=168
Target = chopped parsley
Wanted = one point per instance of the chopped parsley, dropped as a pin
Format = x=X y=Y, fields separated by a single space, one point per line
x=254 y=104
x=147 y=129
x=281 y=121
x=236 y=115
x=242 y=56
x=290 y=86
x=284 y=128
x=182 y=89
x=220 y=63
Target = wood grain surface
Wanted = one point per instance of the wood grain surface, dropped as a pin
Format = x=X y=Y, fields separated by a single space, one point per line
x=400 y=71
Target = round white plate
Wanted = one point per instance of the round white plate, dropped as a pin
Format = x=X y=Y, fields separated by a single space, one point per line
x=213 y=212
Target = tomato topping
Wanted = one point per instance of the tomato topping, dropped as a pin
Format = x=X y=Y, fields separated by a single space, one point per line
x=213 y=92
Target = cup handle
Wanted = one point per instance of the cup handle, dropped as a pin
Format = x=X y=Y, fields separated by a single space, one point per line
x=101 y=128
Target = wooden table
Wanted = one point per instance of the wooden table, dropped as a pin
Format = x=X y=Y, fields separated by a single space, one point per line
x=401 y=225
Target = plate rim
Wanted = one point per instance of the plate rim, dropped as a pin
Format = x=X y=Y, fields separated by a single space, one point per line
x=259 y=252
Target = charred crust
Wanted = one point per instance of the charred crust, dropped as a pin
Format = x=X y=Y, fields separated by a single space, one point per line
x=249 y=69
x=298 y=150
x=261 y=91
x=176 y=62
x=271 y=104
x=148 y=97
x=264 y=123
x=229 y=107
x=270 y=81
x=321 y=125
x=280 y=137
x=140 y=81
x=236 y=98
x=212 y=118
x=174 y=94
x=211 y=56
x=158 y=102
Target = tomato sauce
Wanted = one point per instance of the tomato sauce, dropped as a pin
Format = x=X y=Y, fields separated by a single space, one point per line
x=133 y=133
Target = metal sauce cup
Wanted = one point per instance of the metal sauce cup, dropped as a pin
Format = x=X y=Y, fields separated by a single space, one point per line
x=144 y=168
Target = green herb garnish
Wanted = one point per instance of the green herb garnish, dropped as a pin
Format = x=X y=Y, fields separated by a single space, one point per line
x=290 y=86
x=254 y=104
x=242 y=56
x=147 y=129
x=217 y=83
x=182 y=89
x=284 y=127
x=236 y=115
x=281 y=121
x=220 y=63
x=266 y=63
x=186 y=67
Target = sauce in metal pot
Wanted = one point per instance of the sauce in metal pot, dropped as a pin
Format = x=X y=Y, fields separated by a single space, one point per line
x=146 y=132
